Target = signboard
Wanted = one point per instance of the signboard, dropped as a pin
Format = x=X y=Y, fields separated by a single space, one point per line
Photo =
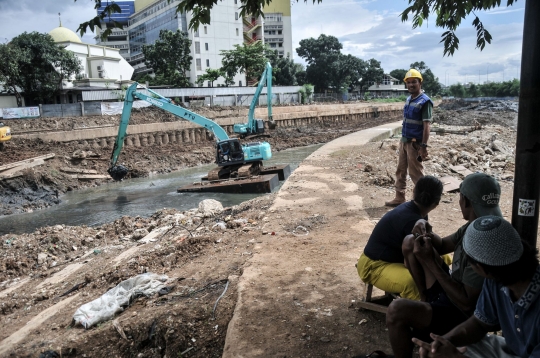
x=20 y=112
x=111 y=108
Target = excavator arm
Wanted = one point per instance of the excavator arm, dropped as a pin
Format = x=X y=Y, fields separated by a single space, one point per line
x=256 y=126
x=118 y=172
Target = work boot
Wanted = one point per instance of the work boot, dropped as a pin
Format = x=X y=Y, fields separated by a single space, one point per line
x=399 y=199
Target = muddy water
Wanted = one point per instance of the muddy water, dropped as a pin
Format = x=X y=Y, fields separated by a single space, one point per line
x=136 y=197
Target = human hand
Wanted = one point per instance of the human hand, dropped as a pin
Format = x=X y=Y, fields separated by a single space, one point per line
x=422 y=152
x=421 y=228
x=440 y=347
x=423 y=248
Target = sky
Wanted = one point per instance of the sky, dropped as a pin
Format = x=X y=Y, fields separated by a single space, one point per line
x=366 y=28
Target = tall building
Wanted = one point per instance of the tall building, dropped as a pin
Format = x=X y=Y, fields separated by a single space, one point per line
x=119 y=37
x=152 y=16
x=278 y=27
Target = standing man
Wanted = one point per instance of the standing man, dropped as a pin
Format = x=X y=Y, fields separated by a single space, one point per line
x=414 y=136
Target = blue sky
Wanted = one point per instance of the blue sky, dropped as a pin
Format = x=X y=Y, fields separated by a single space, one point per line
x=366 y=28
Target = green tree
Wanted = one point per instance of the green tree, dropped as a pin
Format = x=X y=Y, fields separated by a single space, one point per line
x=11 y=58
x=286 y=72
x=473 y=90
x=34 y=63
x=373 y=73
x=430 y=84
x=247 y=59
x=170 y=57
x=301 y=75
x=457 y=90
x=399 y=74
x=210 y=75
x=321 y=55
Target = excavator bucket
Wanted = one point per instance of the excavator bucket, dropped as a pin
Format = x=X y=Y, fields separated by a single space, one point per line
x=118 y=172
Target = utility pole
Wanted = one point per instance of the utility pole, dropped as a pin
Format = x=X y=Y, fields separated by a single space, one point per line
x=527 y=172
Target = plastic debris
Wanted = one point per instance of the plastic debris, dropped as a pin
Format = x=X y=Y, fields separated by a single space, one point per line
x=114 y=300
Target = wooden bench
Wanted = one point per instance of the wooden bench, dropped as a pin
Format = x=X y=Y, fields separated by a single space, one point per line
x=378 y=303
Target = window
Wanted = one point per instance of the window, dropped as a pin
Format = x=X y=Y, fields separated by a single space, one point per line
x=279 y=32
x=280 y=44
x=235 y=2
x=236 y=16
x=196 y=33
x=206 y=46
x=240 y=83
x=205 y=30
x=273 y=45
x=207 y=63
x=237 y=31
x=198 y=64
x=197 y=47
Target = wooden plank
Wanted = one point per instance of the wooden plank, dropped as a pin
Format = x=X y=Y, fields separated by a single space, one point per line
x=78 y=170
x=89 y=176
x=460 y=169
x=450 y=183
x=23 y=162
x=9 y=173
x=373 y=307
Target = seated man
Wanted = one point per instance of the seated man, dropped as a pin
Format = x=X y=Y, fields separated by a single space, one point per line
x=382 y=263
x=449 y=298
x=509 y=298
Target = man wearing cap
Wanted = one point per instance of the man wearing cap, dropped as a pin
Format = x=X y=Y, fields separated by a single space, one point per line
x=414 y=136
x=449 y=296
x=509 y=298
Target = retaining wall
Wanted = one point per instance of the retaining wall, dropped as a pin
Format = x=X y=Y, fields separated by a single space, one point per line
x=187 y=132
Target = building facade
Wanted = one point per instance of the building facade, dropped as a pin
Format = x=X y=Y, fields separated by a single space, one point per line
x=102 y=67
x=119 y=37
x=388 y=87
x=277 y=27
x=223 y=33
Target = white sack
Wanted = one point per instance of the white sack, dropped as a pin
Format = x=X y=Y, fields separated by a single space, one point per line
x=113 y=301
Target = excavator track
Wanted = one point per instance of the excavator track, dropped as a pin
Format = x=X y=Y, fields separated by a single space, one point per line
x=249 y=170
x=214 y=174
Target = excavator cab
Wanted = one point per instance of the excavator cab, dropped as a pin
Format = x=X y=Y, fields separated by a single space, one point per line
x=229 y=151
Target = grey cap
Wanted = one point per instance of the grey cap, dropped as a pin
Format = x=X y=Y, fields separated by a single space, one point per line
x=484 y=192
x=493 y=241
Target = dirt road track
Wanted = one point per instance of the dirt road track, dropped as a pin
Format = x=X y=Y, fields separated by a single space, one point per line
x=292 y=281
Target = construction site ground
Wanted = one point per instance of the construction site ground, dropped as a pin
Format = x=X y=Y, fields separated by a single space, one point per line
x=272 y=277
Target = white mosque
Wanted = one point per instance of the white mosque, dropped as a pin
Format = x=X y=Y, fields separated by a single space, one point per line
x=102 y=67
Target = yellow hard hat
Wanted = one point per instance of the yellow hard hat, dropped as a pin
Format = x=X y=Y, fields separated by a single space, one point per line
x=412 y=73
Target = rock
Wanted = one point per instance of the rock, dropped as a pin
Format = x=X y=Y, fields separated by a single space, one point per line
x=41 y=258
x=210 y=207
x=79 y=154
x=488 y=150
x=480 y=151
x=139 y=234
x=499 y=146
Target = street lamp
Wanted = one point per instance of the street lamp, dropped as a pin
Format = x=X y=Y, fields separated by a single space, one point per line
x=445 y=81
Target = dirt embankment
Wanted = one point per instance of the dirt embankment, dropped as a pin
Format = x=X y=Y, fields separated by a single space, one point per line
x=201 y=255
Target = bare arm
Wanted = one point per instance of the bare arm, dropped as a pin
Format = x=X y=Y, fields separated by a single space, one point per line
x=463 y=296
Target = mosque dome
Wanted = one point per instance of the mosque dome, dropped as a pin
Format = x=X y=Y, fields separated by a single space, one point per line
x=62 y=34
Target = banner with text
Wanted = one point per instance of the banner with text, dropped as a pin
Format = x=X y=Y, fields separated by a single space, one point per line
x=21 y=112
x=110 y=108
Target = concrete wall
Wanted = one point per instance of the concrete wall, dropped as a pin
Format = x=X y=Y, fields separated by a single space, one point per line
x=187 y=132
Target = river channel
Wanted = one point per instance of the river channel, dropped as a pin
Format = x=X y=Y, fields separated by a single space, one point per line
x=135 y=197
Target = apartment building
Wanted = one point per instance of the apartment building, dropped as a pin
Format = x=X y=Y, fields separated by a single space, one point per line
x=119 y=37
x=277 y=27
x=223 y=33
